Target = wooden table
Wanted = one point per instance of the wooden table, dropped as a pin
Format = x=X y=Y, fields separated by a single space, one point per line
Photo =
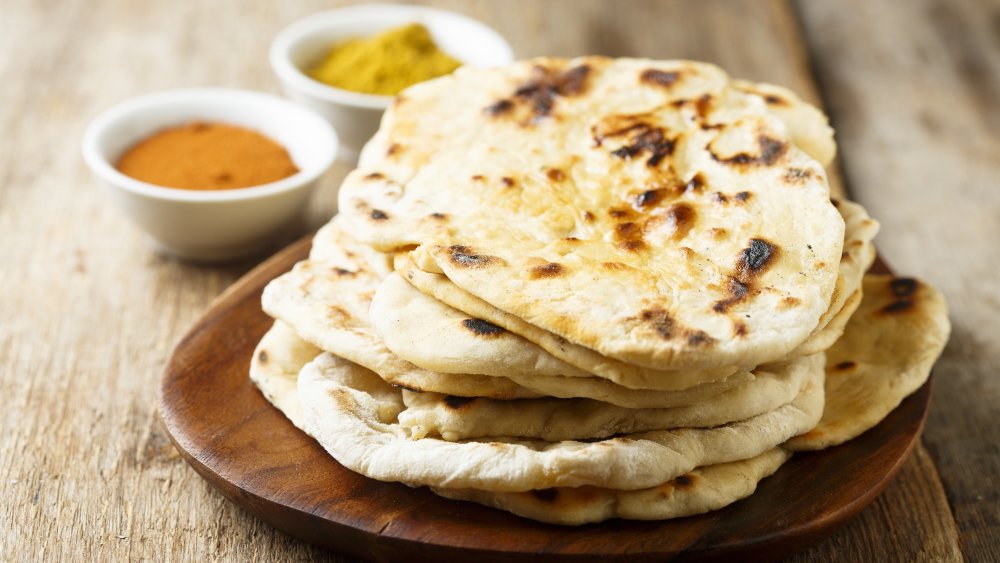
x=88 y=314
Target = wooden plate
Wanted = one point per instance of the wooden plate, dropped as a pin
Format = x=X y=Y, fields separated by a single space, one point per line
x=246 y=449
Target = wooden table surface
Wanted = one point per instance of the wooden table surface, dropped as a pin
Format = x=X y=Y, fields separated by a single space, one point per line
x=89 y=314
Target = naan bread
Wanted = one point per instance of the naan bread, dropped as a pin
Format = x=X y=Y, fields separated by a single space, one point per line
x=885 y=354
x=858 y=255
x=280 y=356
x=834 y=329
x=713 y=235
x=349 y=422
x=620 y=373
x=615 y=283
x=807 y=126
x=327 y=303
x=275 y=367
x=552 y=420
x=422 y=330
x=432 y=335
x=698 y=491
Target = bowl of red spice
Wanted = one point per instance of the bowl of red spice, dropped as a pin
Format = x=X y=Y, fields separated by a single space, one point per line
x=210 y=173
x=349 y=63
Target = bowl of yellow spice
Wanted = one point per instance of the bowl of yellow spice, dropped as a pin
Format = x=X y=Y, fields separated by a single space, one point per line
x=210 y=173
x=348 y=64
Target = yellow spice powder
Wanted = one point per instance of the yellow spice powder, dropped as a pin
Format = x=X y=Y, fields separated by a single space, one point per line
x=385 y=64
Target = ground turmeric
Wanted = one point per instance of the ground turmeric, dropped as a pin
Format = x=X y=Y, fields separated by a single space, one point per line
x=386 y=63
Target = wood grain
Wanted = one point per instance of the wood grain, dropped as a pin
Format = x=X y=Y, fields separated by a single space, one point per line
x=924 y=135
x=245 y=448
x=88 y=314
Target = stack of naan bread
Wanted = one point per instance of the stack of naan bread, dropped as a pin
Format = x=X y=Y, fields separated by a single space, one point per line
x=585 y=289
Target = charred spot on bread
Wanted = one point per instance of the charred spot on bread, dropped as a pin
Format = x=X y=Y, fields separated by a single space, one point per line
x=681 y=219
x=898 y=307
x=631 y=245
x=549 y=270
x=479 y=327
x=903 y=287
x=756 y=257
x=653 y=141
x=649 y=198
x=628 y=236
x=555 y=174
x=737 y=292
x=614 y=266
x=539 y=93
x=770 y=151
x=620 y=213
x=456 y=403
x=545 y=495
x=501 y=107
x=685 y=480
x=465 y=257
x=800 y=175
x=789 y=302
x=695 y=184
x=660 y=321
x=639 y=134
x=663 y=78
x=698 y=338
x=775 y=100
x=753 y=260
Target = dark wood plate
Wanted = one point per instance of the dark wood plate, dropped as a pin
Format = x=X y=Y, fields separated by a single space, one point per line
x=247 y=450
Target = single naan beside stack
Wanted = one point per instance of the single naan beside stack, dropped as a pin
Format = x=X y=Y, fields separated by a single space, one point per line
x=593 y=288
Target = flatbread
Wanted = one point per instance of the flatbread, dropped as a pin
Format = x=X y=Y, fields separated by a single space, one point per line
x=615 y=371
x=834 y=328
x=275 y=366
x=807 y=126
x=885 y=354
x=344 y=255
x=325 y=301
x=715 y=239
x=698 y=491
x=346 y=420
x=280 y=355
x=460 y=418
x=857 y=257
x=432 y=335
x=422 y=330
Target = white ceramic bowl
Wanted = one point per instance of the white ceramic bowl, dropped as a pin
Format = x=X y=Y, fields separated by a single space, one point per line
x=356 y=116
x=211 y=224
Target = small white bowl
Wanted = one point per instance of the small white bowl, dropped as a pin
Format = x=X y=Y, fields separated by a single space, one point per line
x=211 y=224
x=356 y=116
